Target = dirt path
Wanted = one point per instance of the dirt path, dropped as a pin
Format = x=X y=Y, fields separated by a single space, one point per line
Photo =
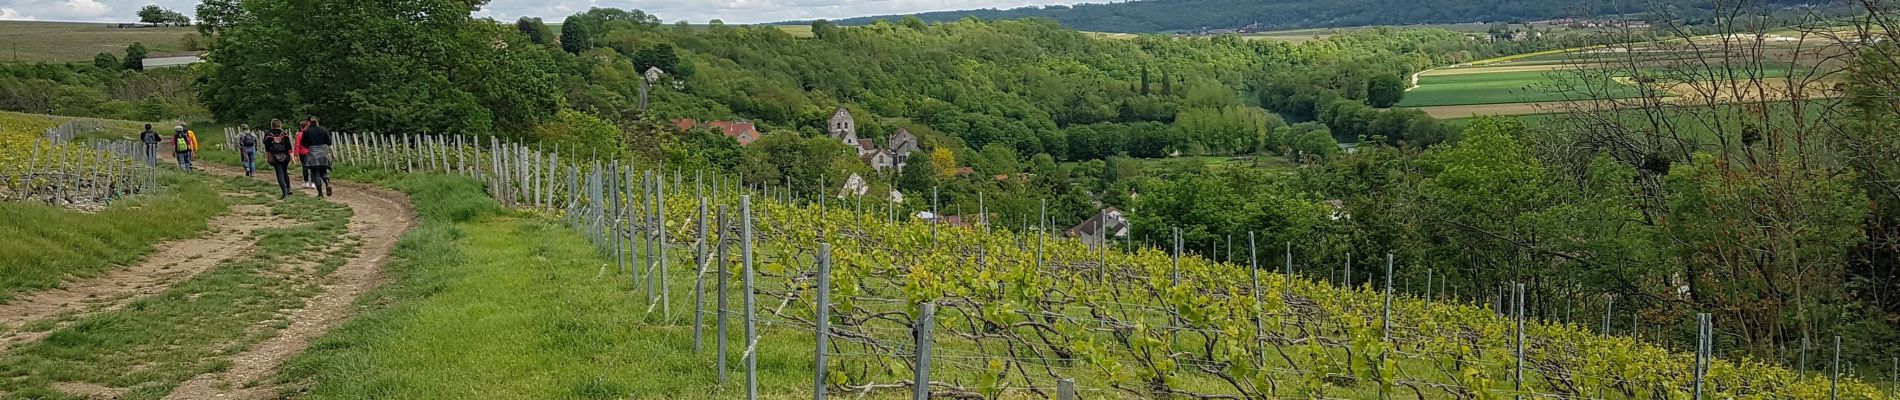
x=381 y=217
x=228 y=237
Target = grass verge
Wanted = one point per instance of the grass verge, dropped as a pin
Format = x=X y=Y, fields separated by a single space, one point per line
x=488 y=304
x=47 y=244
x=148 y=347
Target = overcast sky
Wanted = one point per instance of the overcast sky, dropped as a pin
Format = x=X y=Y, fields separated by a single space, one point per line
x=695 y=11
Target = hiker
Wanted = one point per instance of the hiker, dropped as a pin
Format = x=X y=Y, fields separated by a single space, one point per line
x=150 y=139
x=247 y=149
x=316 y=142
x=277 y=146
x=185 y=143
x=303 y=161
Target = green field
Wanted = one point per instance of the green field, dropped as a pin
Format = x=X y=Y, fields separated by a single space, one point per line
x=1491 y=88
x=62 y=42
x=1301 y=35
x=1520 y=86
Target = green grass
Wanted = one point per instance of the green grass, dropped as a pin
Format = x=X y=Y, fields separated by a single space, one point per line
x=64 y=42
x=550 y=324
x=1537 y=86
x=47 y=245
x=152 y=344
x=1490 y=88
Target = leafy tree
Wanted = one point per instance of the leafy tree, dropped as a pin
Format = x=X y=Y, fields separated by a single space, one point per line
x=584 y=31
x=943 y=163
x=537 y=31
x=1385 y=91
x=915 y=179
x=576 y=36
x=806 y=160
x=214 y=16
x=1307 y=139
x=824 y=30
x=911 y=21
x=1167 y=84
x=153 y=14
x=579 y=130
x=106 y=61
x=659 y=56
x=135 y=56
x=1144 y=80
x=442 y=74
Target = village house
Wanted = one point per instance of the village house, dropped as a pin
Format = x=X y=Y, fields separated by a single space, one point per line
x=1090 y=231
x=742 y=131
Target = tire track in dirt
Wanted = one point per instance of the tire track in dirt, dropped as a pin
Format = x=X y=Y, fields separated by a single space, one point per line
x=227 y=237
x=380 y=218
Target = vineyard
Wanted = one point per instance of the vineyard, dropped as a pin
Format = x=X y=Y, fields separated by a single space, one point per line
x=41 y=161
x=982 y=313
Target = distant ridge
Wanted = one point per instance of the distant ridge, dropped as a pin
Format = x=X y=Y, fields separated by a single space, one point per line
x=1151 y=16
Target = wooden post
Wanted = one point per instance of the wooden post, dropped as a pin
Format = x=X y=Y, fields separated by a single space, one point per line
x=822 y=319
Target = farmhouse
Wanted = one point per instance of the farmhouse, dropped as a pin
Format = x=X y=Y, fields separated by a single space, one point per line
x=743 y=131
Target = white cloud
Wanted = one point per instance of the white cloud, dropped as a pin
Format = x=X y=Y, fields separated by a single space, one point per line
x=91 y=10
x=8 y=14
x=86 y=8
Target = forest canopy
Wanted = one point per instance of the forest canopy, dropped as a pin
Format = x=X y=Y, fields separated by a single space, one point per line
x=1185 y=15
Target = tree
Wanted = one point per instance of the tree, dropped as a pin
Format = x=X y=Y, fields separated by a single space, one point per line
x=911 y=21
x=214 y=16
x=1144 y=80
x=106 y=61
x=537 y=31
x=1308 y=139
x=915 y=179
x=135 y=56
x=315 y=58
x=1385 y=91
x=576 y=37
x=584 y=31
x=659 y=56
x=176 y=18
x=153 y=14
x=1167 y=83
x=824 y=30
x=581 y=131
x=943 y=163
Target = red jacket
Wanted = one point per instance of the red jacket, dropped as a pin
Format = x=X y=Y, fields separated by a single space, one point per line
x=296 y=145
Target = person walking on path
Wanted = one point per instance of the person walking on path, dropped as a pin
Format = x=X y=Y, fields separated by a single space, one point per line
x=277 y=146
x=185 y=143
x=247 y=149
x=303 y=154
x=150 y=139
x=316 y=141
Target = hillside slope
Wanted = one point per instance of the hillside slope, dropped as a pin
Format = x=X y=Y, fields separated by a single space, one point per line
x=1179 y=15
